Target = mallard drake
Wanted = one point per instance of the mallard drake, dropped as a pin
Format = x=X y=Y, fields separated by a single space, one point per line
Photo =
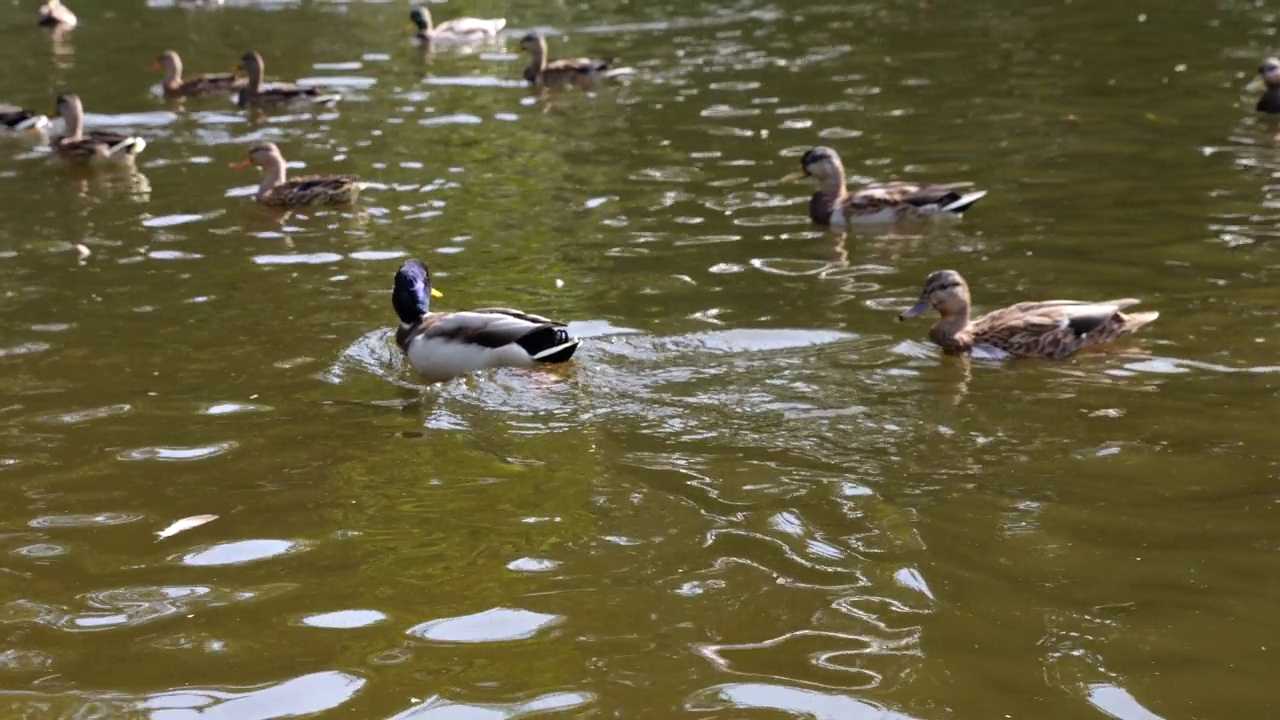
x=95 y=145
x=278 y=191
x=441 y=346
x=1046 y=329
x=256 y=94
x=175 y=85
x=17 y=119
x=570 y=71
x=1269 y=71
x=457 y=30
x=53 y=14
x=892 y=202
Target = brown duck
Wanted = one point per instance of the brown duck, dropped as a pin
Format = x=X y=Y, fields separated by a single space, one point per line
x=176 y=86
x=1047 y=329
x=583 y=72
x=277 y=190
x=256 y=93
x=93 y=146
x=893 y=202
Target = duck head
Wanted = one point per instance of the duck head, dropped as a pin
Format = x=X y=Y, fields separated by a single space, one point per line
x=944 y=291
x=412 y=293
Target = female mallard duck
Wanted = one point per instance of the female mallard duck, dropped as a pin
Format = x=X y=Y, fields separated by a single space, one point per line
x=16 y=119
x=834 y=205
x=441 y=346
x=95 y=145
x=457 y=30
x=176 y=86
x=570 y=71
x=53 y=14
x=1269 y=70
x=277 y=191
x=1047 y=329
x=256 y=94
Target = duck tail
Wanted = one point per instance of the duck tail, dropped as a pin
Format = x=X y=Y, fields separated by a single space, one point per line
x=34 y=122
x=327 y=100
x=127 y=146
x=965 y=202
x=549 y=344
x=618 y=72
x=1133 y=321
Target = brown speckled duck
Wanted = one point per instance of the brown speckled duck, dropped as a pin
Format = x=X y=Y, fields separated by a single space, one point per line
x=257 y=94
x=1047 y=329
x=278 y=191
x=53 y=14
x=583 y=72
x=95 y=145
x=893 y=202
x=177 y=86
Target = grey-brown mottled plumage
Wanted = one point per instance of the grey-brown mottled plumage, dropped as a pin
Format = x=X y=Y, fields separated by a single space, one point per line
x=92 y=146
x=277 y=190
x=583 y=72
x=892 y=202
x=175 y=85
x=256 y=93
x=1046 y=329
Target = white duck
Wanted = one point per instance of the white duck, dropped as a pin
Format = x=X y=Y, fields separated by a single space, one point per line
x=458 y=30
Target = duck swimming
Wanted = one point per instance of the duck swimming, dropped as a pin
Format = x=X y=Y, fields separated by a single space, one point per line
x=892 y=202
x=441 y=346
x=1051 y=329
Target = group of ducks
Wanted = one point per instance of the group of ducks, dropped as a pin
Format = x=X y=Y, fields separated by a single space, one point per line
x=251 y=91
x=446 y=345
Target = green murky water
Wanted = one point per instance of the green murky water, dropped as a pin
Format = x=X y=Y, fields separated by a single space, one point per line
x=755 y=494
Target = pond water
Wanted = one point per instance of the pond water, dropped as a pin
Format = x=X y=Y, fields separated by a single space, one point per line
x=754 y=494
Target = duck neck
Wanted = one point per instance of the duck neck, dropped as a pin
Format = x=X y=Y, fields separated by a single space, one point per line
x=173 y=73
x=539 y=63
x=952 y=330
x=273 y=175
x=255 y=77
x=73 y=118
x=428 y=25
x=833 y=185
x=404 y=333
